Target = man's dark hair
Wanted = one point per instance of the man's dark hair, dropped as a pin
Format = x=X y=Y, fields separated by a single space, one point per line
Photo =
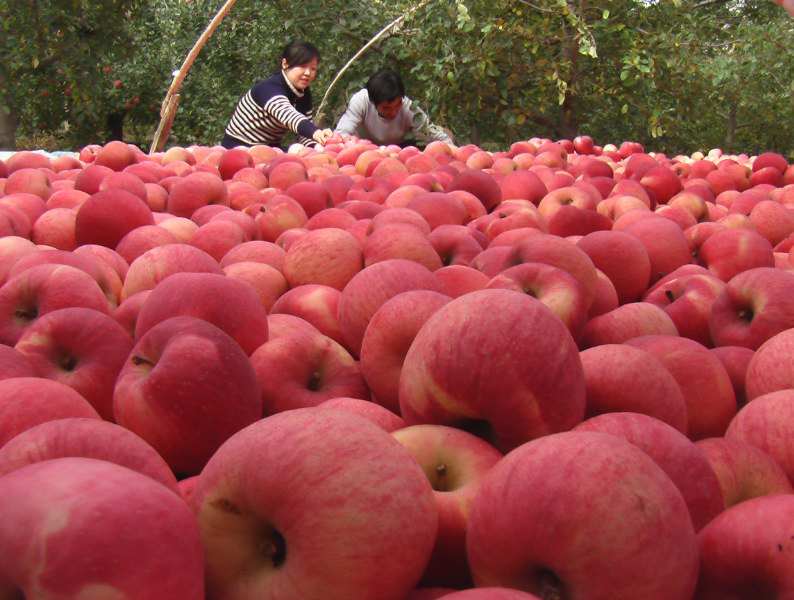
x=297 y=53
x=385 y=86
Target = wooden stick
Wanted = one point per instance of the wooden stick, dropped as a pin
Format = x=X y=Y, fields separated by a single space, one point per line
x=165 y=124
x=169 y=106
x=379 y=35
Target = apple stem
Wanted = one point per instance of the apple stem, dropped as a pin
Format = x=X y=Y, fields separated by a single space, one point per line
x=669 y=295
x=139 y=360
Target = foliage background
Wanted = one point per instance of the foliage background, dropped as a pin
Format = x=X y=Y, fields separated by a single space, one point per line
x=675 y=75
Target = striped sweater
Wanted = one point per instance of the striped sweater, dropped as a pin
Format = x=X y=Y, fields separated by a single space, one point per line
x=268 y=110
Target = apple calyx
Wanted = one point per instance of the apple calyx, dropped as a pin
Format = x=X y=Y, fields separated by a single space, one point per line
x=746 y=314
x=315 y=381
x=26 y=314
x=67 y=363
x=441 y=483
x=274 y=548
x=550 y=586
x=530 y=292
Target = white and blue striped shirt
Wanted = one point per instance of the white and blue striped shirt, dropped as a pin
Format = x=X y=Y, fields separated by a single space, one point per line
x=268 y=110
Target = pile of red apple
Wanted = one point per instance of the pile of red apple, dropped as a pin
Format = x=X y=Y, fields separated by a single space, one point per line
x=358 y=372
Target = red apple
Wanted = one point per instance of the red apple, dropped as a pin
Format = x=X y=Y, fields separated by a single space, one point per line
x=770 y=369
x=80 y=347
x=620 y=378
x=325 y=257
x=622 y=258
x=746 y=551
x=216 y=238
x=380 y=415
x=154 y=265
x=455 y=462
x=207 y=296
x=14 y=364
x=287 y=505
x=283 y=324
x=625 y=322
x=743 y=470
x=400 y=241
x=98 y=504
x=736 y=360
x=680 y=458
x=108 y=278
x=267 y=282
x=301 y=369
x=688 y=300
x=457 y=280
x=536 y=388
x=730 y=251
x=28 y=401
x=387 y=338
x=611 y=526
x=557 y=252
x=107 y=216
x=257 y=251
x=755 y=305
x=195 y=190
x=665 y=243
x=706 y=385
x=373 y=286
x=455 y=244
x=554 y=287
x=766 y=422
x=186 y=387
x=42 y=289
x=87 y=438
x=12 y=249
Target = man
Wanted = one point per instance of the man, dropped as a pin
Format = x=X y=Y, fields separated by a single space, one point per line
x=382 y=114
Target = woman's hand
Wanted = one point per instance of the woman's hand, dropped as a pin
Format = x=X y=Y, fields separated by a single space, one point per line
x=321 y=136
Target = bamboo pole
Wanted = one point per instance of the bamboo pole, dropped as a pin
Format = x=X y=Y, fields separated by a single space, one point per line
x=171 y=101
x=393 y=25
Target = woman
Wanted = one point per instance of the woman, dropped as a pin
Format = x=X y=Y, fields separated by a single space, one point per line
x=280 y=103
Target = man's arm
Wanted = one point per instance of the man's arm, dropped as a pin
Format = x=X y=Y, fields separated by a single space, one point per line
x=424 y=129
x=350 y=123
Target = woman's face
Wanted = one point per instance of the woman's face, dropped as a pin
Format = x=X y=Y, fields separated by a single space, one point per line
x=300 y=76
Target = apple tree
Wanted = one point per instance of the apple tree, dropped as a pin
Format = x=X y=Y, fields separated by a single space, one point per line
x=57 y=65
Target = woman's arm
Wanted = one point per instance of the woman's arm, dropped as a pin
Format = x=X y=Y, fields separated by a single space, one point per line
x=286 y=114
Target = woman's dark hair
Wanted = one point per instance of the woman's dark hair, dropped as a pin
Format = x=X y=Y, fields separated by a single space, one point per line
x=385 y=86
x=297 y=53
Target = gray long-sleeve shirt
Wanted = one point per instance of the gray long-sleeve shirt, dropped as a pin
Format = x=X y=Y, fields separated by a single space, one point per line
x=362 y=120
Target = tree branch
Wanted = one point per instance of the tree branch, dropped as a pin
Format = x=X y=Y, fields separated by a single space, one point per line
x=382 y=33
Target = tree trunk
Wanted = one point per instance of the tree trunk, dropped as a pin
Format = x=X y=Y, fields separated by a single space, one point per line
x=569 y=125
x=730 y=135
x=115 y=125
x=475 y=134
x=8 y=123
x=8 y=129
